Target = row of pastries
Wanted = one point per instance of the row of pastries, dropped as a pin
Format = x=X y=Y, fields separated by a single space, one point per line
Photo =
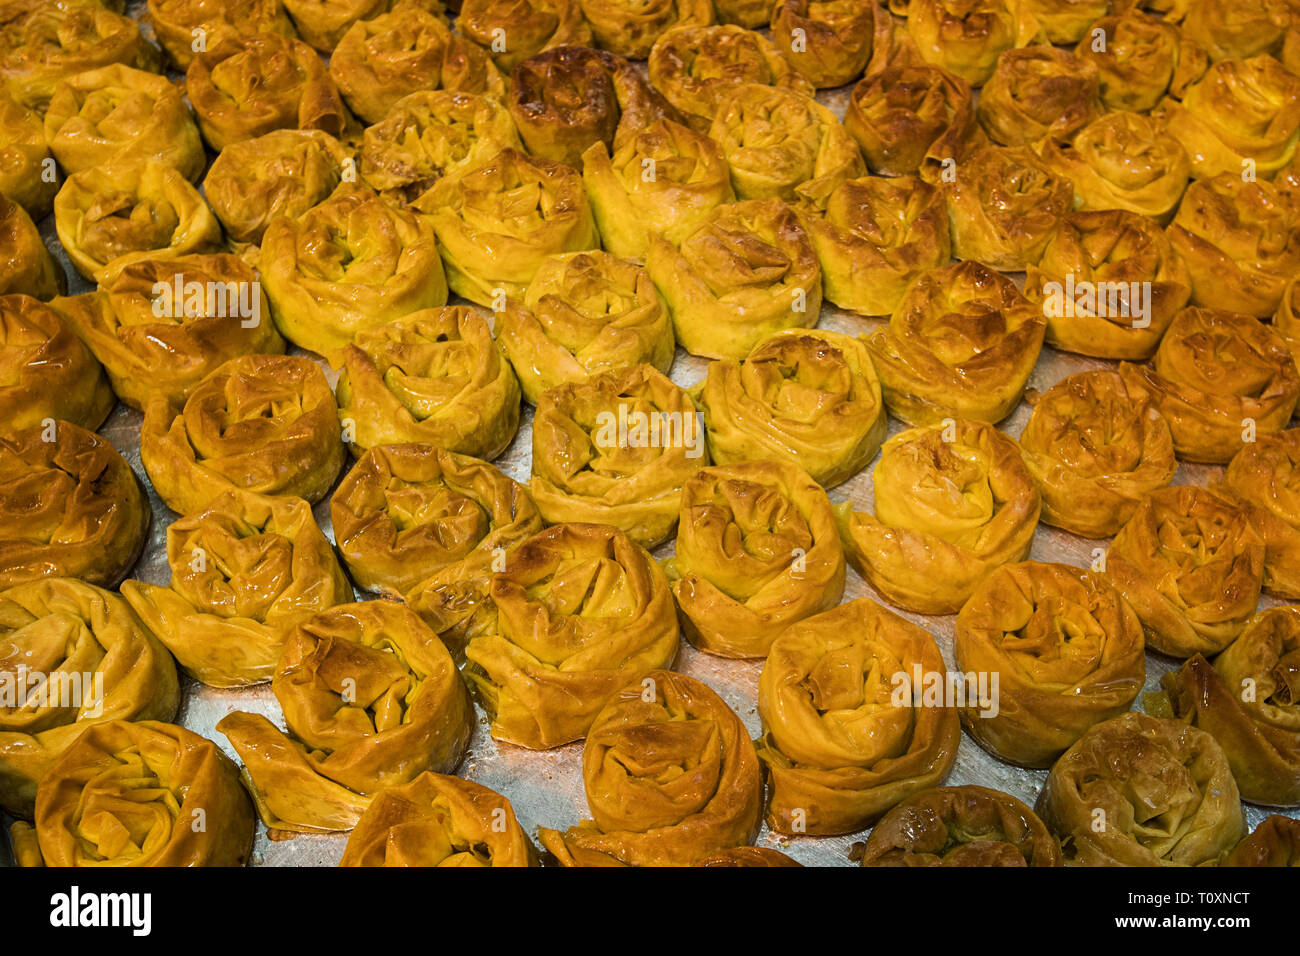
x=325 y=177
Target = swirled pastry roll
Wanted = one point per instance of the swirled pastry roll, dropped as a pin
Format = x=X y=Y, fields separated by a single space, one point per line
x=846 y=735
x=261 y=423
x=1191 y=564
x=1143 y=791
x=349 y=265
x=1240 y=242
x=371 y=700
x=807 y=397
x=116 y=113
x=48 y=373
x=1143 y=59
x=322 y=23
x=961 y=344
x=70 y=506
x=837 y=39
x=175 y=23
x=439 y=820
x=140 y=793
x=497 y=224
x=584 y=313
x=952 y=503
x=695 y=68
x=873 y=236
x=670 y=775
x=153 y=341
x=1264 y=478
x=244 y=572
x=110 y=216
x=1275 y=842
x=617 y=449
x=74 y=656
x=1109 y=283
x=747 y=856
x=630 y=27
x=1096 y=450
x=404 y=51
x=910 y=118
x=1238 y=30
x=1038 y=92
x=405 y=512
x=250 y=84
x=1067 y=21
x=757 y=550
x=28 y=175
x=966 y=37
x=434 y=376
x=513 y=30
x=26 y=266
x=961 y=826
x=747 y=271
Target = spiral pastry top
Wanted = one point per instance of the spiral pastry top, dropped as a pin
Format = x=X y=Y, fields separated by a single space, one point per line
x=837 y=39
x=1264 y=478
x=1275 y=842
x=1038 y=92
x=1143 y=59
x=514 y=30
x=26 y=266
x=630 y=27
x=175 y=22
x=1237 y=30
x=966 y=37
x=1067 y=21
x=24 y=153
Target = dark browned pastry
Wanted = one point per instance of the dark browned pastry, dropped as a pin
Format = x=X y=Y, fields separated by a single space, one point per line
x=832 y=42
x=1264 y=478
x=514 y=30
x=1038 y=92
x=1275 y=842
x=26 y=266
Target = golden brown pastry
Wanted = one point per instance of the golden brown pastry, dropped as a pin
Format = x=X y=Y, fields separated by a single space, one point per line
x=807 y=397
x=1263 y=479
x=1286 y=321
x=952 y=503
x=1191 y=564
x=1066 y=21
x=405 y=512
x=513 y=30
x=439 y=820
x=48 y=373
x=75 y=656
x=110 y=216
x=670 y=776
x=1239 y=29
x=962 y=343
x=1038 y=92
x=349 y=265
x=757 y=550
x=496 y=224
x=1275 y=842
x=966 y=37
x=245 y=571
x=28 y=175
x=1143 y=791
x=1109 y=283
x=261 y=423
x=846 y=734
x=26 y=266
x=630 y=27
x=140 y=793
x=747 y=856
x=70 y=506
x=322 y=23
x=1096 y=450
x=433 y=376
x=175 y=23
x=961 y=826
x=584 y=313
x=832 y=42
x=371 y=700
x=752 y=15
x=1142 y=59
x=747 y=271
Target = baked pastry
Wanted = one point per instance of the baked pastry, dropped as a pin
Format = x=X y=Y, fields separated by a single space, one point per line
x=175 y=23
x=28 y=175
x=846 y=733
x=670 y=776
x=1241 y=29
x=433 y=376
x=48 y=373
x=1038 y=91
x=1241 y=243
x=99 y=664
x=1143 y=791
x=111 y=215
x=873 y=236
x=1286 y=321
x=838 y=39
x=961 y=344
x=747 y=856
x=961 y=826
x=630 y=27
x=584 y=313
x=245 y=571
x=952 y=503
x=1096 y=450
x=1248 y=702
x=1004 y=205
x=70 y=506
x=513 y=30
x=696 y=67
x=405 y=512
x=322 y=23
x=154 y=341
x=496 y=224
x=139 y=793
x=1142 y=60
x=371 y=700
x=748 y=270
x=616 y=449
x=1109 y=283
x=1263 y=479
x=757 y=550
x=966 y=37
x=260 y=423
x=807 y=397
x=438 y=820
x=350 y=264
x=1191 y=564
x=1067 y=21
x=247 y=85
x=1275 y=842
x=407 y=50
x=120 y=113
x=26 y=266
